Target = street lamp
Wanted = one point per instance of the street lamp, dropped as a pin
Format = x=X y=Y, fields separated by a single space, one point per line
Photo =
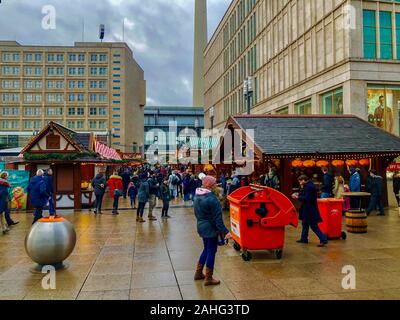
x=212 y=114
x=248 y=92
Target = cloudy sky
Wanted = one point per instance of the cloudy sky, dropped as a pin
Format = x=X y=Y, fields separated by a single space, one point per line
x=160 y=32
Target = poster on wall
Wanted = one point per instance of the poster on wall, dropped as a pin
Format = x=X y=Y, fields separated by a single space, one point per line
x=19 y=181
x=383 y=107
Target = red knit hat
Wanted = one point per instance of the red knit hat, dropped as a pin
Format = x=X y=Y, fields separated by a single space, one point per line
x=209 y=182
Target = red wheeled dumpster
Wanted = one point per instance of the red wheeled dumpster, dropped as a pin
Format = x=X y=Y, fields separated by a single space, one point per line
x=331 y=211
x=259 y=216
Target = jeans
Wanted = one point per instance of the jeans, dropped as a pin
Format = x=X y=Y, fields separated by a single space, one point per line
x=38 y=214
x=8 y=217
x=165 y=208
x=125 y=191
x=52 y=210
x=186 y=197
x=133 y=200
x=207 y=258
x=140 y=210
x=152 y=204
x=173 y=193
x=325 y=195
x=314 y=227
x=115 y=204
x=375 y=202
x=98 y=202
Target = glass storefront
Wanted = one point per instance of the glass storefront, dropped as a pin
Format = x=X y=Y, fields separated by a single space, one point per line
x=383 y=103
x=332 y=102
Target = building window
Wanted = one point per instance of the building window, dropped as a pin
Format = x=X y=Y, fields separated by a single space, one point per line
x=28 y=124
x=38 y=57
x=81 y=84
x=72 y=57
x=71 y=124
x=93 y=84
x=51 y=57
x=93 y=97
x=386 y=36
x=102 y=97
x=398 y=34
x=102 y=124
x=369 y=30
x=71 y=111
x=93 y=71
x=102 y=111
x=93 y=57
x=304 y=107
x=80 y=124
x=103 y=71
x=93 y=111
x=103 y=58
x=102 y=84
x=332 y=102
x=92 y=124
x=6 y=57
x=81 y=57
x=60 y=57
x=38 y=71
x=28 y=57
x=383 y=107
x=284 y=110
x=80 y=111
x=81 y=71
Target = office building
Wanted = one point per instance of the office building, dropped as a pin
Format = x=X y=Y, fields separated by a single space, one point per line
x=306 y=57
x=88 y=87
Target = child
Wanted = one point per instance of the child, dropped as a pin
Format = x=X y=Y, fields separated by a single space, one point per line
x=132 y=192
x=166 y=198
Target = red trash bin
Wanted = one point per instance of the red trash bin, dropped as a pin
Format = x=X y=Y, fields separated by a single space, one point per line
x=331 y=211
x=259 y=216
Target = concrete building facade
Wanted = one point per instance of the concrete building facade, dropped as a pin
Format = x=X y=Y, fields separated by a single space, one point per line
x=307 y=57
x=88 y=87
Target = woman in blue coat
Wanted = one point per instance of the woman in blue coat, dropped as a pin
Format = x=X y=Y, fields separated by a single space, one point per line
x=38 y=193
x=309 y=212
x=210 y=226
x=4 y=200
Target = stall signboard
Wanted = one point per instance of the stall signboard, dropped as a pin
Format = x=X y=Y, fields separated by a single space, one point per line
x=19 y=181
x=394 y=167
x=2 y=166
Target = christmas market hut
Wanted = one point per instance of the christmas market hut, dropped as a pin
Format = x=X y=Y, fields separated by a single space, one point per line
x=300 y=144
x=74 y=159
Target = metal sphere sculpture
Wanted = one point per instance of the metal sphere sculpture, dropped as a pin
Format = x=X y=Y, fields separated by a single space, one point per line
x=51 y=241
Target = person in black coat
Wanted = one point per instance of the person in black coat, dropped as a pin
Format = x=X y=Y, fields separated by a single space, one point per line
x=396 y=187
x=126 y=179
x=309 y=212
x=375 y=187
x=327 y=184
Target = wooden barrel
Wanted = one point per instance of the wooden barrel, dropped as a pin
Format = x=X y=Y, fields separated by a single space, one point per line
x=356 y=221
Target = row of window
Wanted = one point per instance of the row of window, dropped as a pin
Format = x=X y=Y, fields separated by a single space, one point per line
x=246 y=66
x=54 y=111
x=37 y=71
x=54 y=84
x=52 y=57
x=55 y=97
x=38 y=124
x=239 y=15
x=381 y=37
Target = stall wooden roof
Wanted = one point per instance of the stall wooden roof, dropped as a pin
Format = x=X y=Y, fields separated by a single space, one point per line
x=284 y=136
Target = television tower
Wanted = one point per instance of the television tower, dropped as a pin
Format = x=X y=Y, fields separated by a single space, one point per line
x=200 y=43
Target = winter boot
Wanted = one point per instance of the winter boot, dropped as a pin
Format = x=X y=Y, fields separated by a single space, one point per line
x=199 y=275
x=209 y=280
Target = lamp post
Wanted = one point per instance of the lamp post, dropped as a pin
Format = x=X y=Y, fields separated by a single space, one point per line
x=212 y=114
x=248 y=92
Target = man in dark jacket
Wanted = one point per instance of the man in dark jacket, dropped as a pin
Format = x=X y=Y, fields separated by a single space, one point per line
x=154 y=191
x=210 y=226
x=327 y=184
x=309 y=212
x=396 y=187
x=38 y=194
x=143 y=196
x=375 y=187
x=126 y=179
x=99 y=188
x=48 y=179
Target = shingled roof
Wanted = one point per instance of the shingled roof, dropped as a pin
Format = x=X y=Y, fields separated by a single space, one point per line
x=288 y=135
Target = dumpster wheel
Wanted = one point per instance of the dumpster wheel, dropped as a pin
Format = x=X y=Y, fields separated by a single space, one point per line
x=237 y=246
x=344 y=235
x=279 y=254
x=247 y=256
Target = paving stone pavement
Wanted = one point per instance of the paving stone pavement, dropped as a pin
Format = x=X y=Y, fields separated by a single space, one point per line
x=116 y=258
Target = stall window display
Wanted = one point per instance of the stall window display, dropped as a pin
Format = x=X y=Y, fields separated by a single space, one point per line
x=383 y=105
x=332 y=102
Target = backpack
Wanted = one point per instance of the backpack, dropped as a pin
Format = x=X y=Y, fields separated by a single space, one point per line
x=175 y=180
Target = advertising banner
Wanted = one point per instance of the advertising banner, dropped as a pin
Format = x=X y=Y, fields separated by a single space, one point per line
x=19 y=181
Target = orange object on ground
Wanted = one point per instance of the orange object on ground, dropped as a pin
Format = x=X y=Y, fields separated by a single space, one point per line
x=331 y=211
x=259 y=216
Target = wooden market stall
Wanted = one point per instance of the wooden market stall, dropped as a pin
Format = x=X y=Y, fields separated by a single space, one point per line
x=298 y=145
x=74 y=157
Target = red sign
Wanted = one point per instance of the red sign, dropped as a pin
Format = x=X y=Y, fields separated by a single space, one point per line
x=394 y=167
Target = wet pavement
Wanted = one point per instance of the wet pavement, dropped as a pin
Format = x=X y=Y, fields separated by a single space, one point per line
x=116 y=258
